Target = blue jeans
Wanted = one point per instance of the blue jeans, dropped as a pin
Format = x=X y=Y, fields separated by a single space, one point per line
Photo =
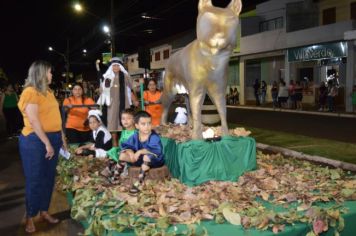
x=331 y=103
x=39 y=171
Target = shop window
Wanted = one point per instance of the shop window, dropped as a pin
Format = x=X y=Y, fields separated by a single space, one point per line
x=329 y=16
x=306 y=77
x=166 y=54
x=353 y=10
x=157 y=56
x=253 y=72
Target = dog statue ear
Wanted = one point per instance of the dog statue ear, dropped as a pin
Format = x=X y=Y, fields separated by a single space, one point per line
x=203 y=4
x=235 y=6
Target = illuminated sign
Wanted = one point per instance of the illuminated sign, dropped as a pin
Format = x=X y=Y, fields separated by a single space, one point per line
x=317 y=52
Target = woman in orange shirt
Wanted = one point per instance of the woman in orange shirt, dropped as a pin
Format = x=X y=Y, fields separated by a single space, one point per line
x=39 y=142
x=152 y=99
x=76 y=130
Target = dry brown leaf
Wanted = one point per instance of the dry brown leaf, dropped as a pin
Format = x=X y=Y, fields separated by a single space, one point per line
x=264 y=195
x=162 y=211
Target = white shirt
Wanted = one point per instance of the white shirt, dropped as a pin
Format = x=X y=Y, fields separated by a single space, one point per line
x=181 y=116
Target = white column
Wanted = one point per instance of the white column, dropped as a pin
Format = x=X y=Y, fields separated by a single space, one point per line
x=350 y=73
x=242 y=81
x=286 y=68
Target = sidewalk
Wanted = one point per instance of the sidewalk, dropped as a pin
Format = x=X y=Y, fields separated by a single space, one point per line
x=307 y=110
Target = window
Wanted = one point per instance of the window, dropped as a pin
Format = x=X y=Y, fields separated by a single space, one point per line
x=279 y=23
x=157 y=56
x=329 y=16
x=353 y=10
x=132 y=60
x=276 y=23
x=166 y=54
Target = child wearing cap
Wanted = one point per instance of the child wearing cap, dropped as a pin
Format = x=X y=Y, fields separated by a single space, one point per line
x=102 y=139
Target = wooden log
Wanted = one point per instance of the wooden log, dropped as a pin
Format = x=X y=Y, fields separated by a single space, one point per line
x=159 y=174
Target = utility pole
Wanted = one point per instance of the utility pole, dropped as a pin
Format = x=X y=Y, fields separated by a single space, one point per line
x=112 y=28
x=66 y=58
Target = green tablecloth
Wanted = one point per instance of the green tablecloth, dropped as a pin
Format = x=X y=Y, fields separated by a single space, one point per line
x=198 y=161
x=195 y=162
x=228 y=229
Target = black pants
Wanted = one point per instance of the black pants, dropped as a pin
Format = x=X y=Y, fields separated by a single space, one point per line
x=78 y=137
x=13 y=120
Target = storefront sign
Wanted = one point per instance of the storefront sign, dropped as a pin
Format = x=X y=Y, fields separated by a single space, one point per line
x=316 y=52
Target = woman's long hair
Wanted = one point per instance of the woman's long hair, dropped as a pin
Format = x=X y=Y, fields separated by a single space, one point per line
x=37 y=76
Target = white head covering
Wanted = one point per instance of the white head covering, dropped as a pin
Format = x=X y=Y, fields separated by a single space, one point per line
x=96 y=113
x=114 y=61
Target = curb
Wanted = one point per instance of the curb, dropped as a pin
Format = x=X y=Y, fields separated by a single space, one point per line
x=299 y=155
x=294 y=111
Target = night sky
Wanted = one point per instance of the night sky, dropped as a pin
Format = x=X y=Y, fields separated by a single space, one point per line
x=30 y=27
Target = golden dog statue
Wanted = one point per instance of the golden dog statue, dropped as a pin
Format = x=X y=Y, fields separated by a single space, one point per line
x=201 y=67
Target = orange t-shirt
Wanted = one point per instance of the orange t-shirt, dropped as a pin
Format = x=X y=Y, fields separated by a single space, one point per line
x=155 y=110
x=76 y=116
x=48 y=110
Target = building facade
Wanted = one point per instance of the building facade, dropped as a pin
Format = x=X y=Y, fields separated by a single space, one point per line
x=299 y=40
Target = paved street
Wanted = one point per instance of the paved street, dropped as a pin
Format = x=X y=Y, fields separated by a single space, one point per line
x=318 y=126
x=12 y=198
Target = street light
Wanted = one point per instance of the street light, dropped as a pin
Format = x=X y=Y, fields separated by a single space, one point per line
x=106 y=29
x=109 y=31
x=78 y=7
x=66 y=61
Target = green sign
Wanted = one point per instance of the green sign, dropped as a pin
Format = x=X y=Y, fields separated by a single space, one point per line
x=107 y=57
x=319 y=51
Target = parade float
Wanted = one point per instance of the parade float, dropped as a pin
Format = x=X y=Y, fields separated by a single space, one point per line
x=278 y=195
x=217 y=184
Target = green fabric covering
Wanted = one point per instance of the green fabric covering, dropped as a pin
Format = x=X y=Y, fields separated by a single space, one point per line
x=113 y=153
x=198 y=161
x=229 y=229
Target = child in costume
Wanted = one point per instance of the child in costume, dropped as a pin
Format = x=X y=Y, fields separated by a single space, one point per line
x=143 y=148
x=102 y=140
x=127 y=120
x=180 y=113
x=116 y=94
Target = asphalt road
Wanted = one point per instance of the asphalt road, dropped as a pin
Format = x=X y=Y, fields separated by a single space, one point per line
x=12 y=198
x=327 y=127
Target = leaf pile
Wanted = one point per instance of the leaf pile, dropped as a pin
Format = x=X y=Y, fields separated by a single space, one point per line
x=281 y=192
x=183 y=133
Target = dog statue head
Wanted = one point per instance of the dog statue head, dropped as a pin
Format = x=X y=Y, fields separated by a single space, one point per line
x=217 y=27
